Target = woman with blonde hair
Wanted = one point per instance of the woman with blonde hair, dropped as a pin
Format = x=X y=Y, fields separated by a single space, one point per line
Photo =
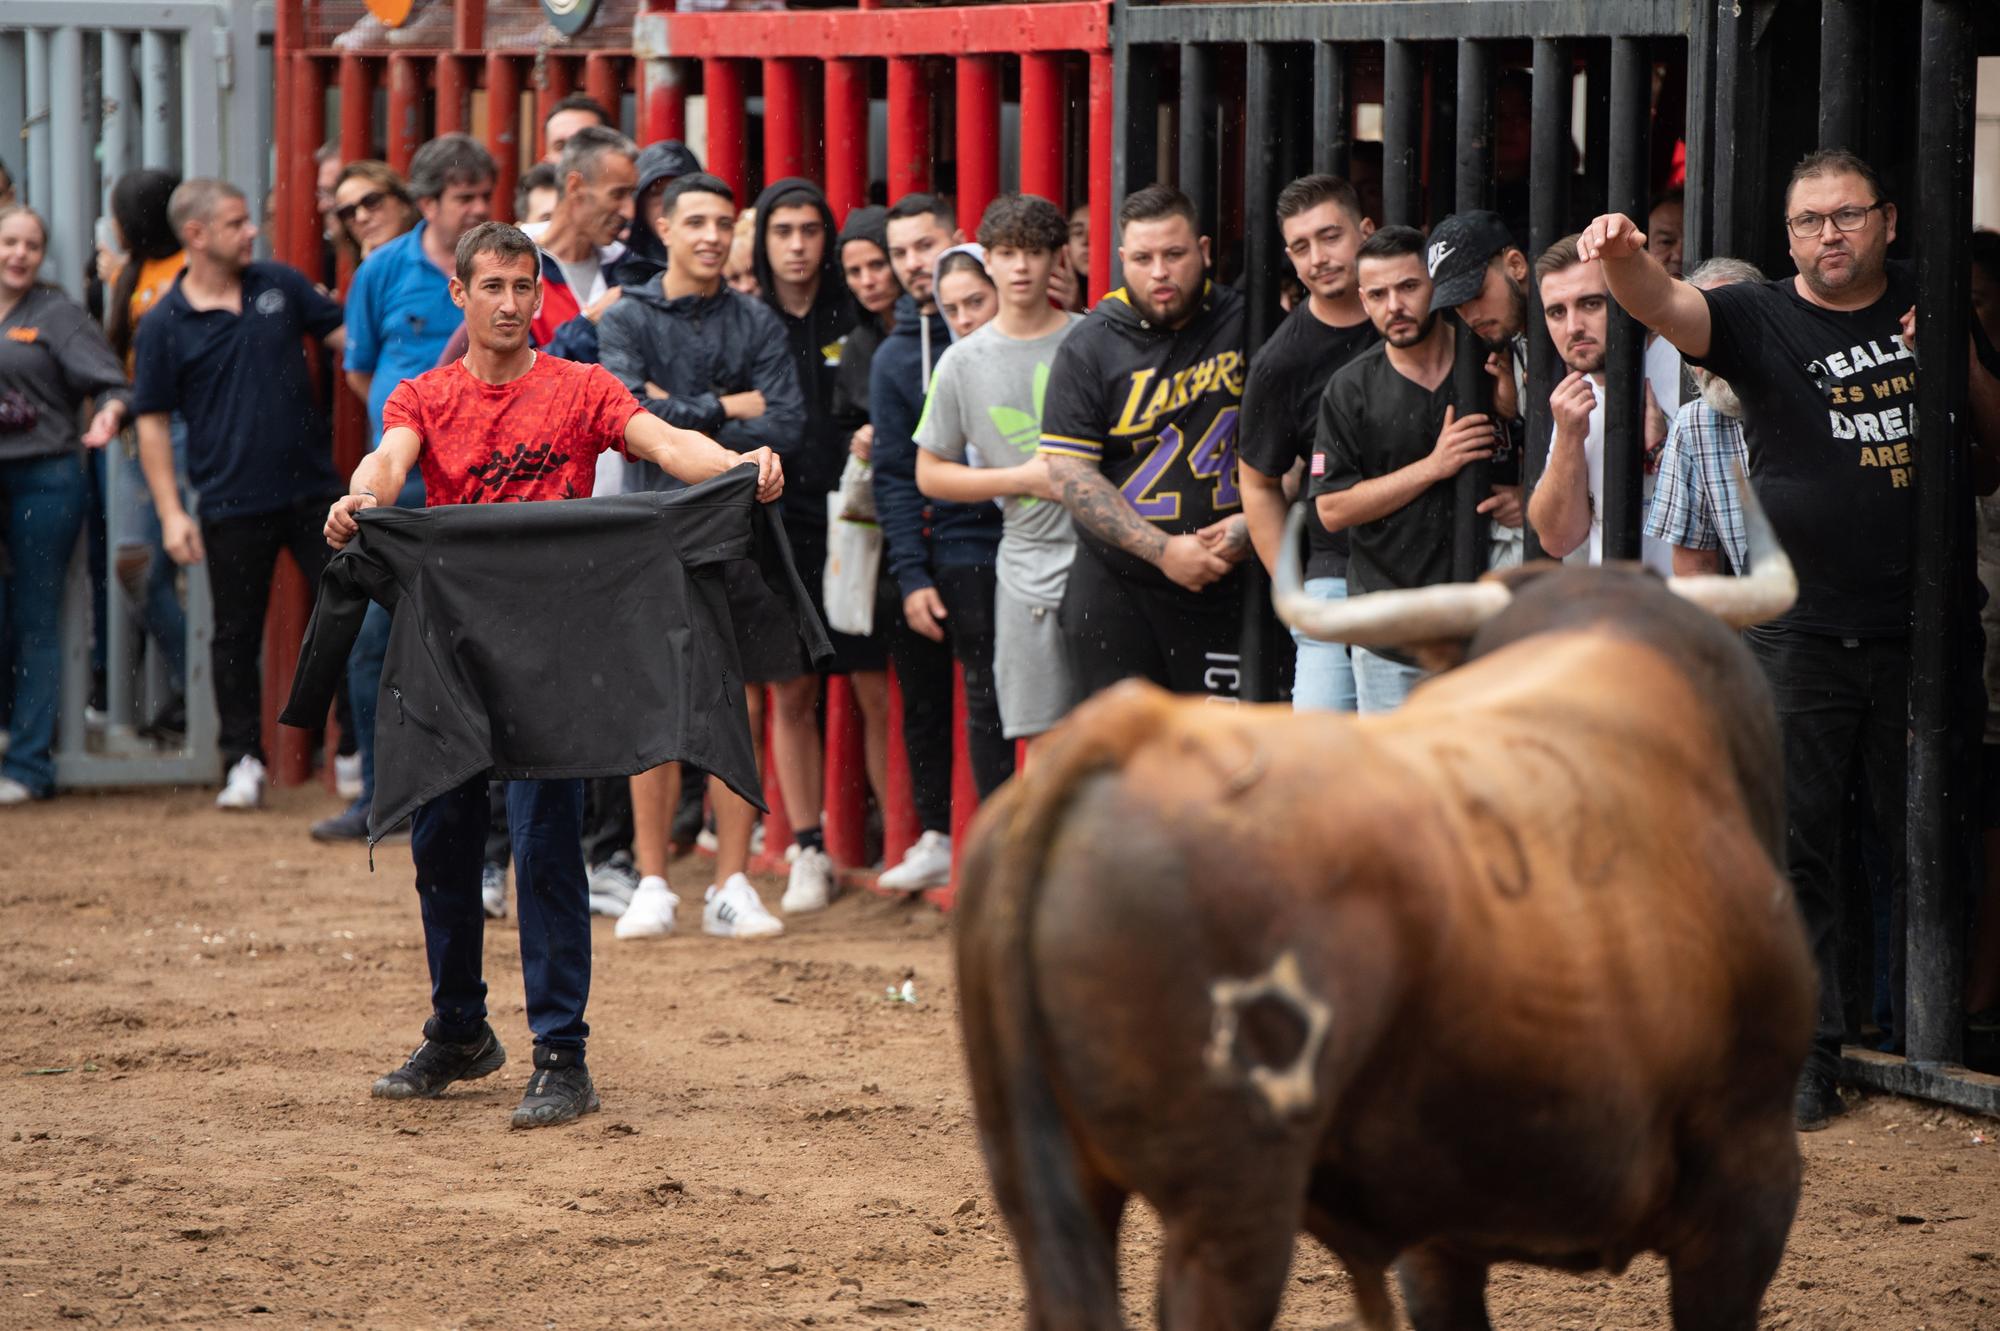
x=371 y=206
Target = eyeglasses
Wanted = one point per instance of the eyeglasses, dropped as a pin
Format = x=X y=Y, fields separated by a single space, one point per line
x=1807 y=225
x=374 y=199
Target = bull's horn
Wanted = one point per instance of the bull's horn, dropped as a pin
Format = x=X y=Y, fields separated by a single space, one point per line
x=1769 y=588
x=1442 y=613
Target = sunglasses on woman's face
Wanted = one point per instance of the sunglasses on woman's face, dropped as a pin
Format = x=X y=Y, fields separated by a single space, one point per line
x=371 y=202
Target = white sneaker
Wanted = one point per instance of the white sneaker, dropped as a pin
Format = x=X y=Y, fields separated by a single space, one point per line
x=347 y=775
x=243 y=788
x=736 y=911
x=926 y=864
x=651 y=914
x=493 y=891
x=612 y=885
x=13 y=792
x=811 y=885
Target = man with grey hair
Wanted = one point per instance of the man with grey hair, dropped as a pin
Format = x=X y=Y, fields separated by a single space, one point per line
x=1695 y=508
x=399 y=316
x=600 y=175
x=224 y=349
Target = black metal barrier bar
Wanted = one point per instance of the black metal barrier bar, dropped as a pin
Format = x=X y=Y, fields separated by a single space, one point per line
x=1135 y=111
x=1261 y=116
x=1935 y=903
x=1402 y=133
x=1407 y=20
x=1696 y=228
x=1333 y=124
x=1843 y=72
x=1471 y=386
x=1625 y=357
x=1549 y=174
x=1196 y=148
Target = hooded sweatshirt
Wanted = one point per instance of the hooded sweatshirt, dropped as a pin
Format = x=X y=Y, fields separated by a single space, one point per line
x=813 y=470
x=869 y=225
x=921 y=533
x=645 y=257
x=699 y=348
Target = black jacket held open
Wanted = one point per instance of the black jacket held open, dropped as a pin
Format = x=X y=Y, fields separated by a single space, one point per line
x=551 y=640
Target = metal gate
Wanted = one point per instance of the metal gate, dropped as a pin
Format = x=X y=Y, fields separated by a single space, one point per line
x=180 y=86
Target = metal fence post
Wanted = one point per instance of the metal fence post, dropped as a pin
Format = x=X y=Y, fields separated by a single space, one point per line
x=159 y=143
x=1333 y=122
x=1195 y=140
x=115 y=89
x=1625 y=356
x=448 y=96
x=1935 y=900
x=1843 y=73
x=601 y=82
x=1549 y=172
x=1103 y=133
x=909 y=127
x=978 y=132
x=1472 y=387
x=68 y=205
x=1402 y=133
x=1257 y=663
x=406 y=111
x=846 y=100
x=663 y=112
x=503 y=130
x=1042 y=108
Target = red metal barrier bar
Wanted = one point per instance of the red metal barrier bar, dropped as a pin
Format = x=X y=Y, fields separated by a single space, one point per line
x=964 y=790
x=601 y=80
x=662 y=101
x=846 y=788
x=900 y=828
x=1077 y=25
x=468 y=25
x=978 y=136
x=722 y=88
x=449 y=115
x=503 y=131
x=909 y=127
x=289 y=21
x=1102 y=131
x=406 y=111
x=784 y=123
x=554 y=80
x=1042 y=113
x=357 y=95
x=846 y=100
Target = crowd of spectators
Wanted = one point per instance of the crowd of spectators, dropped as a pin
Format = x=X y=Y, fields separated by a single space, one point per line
x=1066 y=495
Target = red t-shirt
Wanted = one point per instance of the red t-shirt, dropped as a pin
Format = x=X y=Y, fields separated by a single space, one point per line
x=535 y=438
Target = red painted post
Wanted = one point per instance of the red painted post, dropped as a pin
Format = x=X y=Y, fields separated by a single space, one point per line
x=503 y=131
x=722 y=86
x=662 y=102
x=1042 y=114
x=289 y=25
x=777 y=823
x=449 y=99
x=846 y=137
x=784 y=122
x=909 y=127
x=468 y=25
x=978 y=136
x=964 y=790
x=601 y=80
x=299 y=233
x=1101 y=133
x=554 y=80
x=900 y=828
x=406 y=111
x=357 y=96
x=846 y=798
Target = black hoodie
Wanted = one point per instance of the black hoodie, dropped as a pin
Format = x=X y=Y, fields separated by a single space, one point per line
x=645 y=258
x=857 y=349
x=814 y=342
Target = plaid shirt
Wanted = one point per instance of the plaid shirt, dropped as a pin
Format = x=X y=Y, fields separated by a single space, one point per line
x=1694 y=500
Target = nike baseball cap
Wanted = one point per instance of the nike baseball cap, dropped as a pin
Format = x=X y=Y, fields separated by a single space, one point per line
x=1460 y=248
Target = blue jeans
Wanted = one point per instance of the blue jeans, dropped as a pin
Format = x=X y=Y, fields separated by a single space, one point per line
x=42 y=503
x=447 y=841
x=364 y=665
x=1380 y=685
x=1323 y=680
x=158 y=599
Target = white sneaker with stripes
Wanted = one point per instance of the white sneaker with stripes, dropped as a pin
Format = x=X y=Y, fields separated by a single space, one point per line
x=734 y=910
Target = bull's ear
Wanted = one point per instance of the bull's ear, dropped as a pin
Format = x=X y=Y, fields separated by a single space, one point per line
x=1440 y=655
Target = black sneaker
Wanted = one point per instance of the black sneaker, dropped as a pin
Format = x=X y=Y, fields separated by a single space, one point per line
x=559 y=1092
x=437 y=1064
x=1818 y=1102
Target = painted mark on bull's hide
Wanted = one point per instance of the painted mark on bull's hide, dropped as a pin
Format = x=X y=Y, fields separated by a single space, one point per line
x=1235 y=779
x=1495 y=841
x=1290 y=1090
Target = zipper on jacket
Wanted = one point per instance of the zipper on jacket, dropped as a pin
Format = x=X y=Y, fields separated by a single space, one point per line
x=403 y=714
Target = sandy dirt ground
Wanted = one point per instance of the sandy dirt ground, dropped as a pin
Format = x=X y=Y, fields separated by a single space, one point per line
x=194 y=1006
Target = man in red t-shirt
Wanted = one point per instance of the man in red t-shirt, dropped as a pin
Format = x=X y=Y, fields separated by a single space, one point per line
x=507 y=424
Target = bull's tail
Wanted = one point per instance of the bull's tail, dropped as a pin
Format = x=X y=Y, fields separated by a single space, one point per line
x=1062 y=1232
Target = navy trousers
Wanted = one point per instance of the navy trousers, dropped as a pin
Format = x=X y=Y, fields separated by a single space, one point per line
x=447 y=840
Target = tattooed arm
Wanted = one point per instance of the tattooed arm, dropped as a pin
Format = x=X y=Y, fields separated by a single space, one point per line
x=1099 y=509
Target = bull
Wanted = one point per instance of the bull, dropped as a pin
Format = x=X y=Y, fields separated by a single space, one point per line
x=1508 y=975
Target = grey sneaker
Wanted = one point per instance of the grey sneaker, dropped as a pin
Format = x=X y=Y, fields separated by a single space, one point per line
x=612 y=884
x=436 y=1064
x=559 y=1092
x=493 y=891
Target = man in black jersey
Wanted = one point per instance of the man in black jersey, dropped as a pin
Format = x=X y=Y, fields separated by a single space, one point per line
x=1321 y=222
x=1139 y=429
x=1824 y=365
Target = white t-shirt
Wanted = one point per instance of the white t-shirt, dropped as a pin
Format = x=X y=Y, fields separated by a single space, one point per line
x=1653 y=552
x=1663 y=372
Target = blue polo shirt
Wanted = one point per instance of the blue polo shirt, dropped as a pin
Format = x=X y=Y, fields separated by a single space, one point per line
x=399 y=316
x=257 y=441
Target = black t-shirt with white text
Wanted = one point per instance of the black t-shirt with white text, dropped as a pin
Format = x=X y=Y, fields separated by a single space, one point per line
x=1830 y=417
x=1281 y=401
